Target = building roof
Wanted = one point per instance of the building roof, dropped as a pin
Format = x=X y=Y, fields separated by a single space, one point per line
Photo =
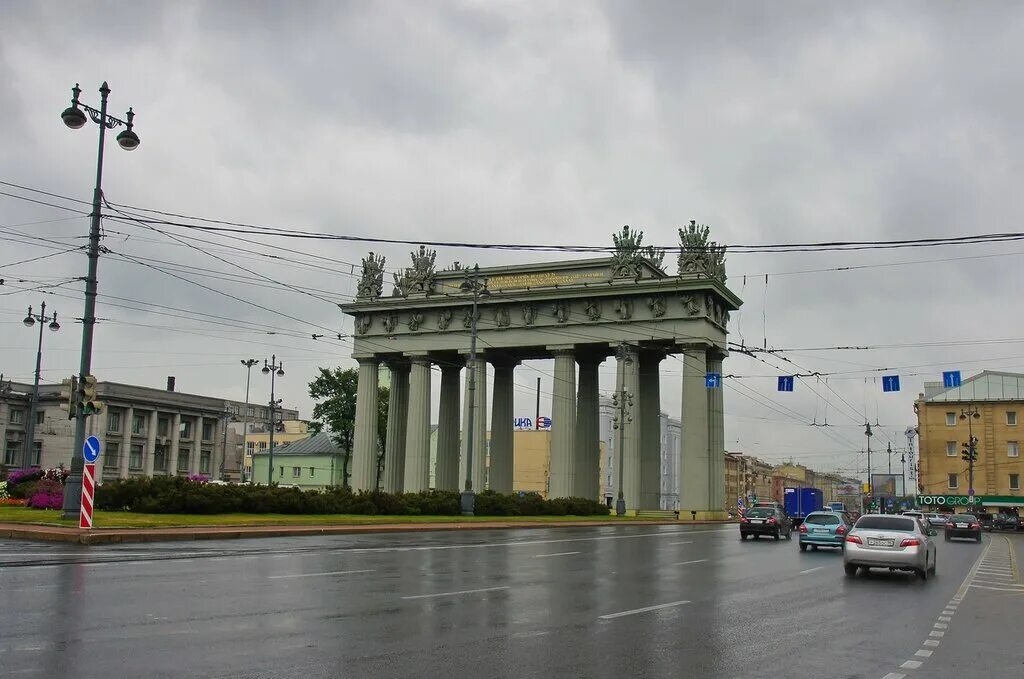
x=317 y=444
x=985 y=386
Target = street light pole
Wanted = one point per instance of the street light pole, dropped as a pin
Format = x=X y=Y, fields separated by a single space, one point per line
x=248 y=363
x=274 y=369
x=871 y=487
x=471 y=284
x=30 y=426
x=971 y=449
x=74 y=118
x=620 y=399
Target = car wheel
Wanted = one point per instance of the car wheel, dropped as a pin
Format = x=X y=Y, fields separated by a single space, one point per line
x=789 y=534
x=850 y=569
x=978 y=539
x=934 y=566
x=777 y=535
x=947 y=538
x=803 y=547
x=922 y=573
x=814 y=548
x=743 y=536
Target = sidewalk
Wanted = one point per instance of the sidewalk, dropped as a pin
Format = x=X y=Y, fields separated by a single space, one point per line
x=98 y=536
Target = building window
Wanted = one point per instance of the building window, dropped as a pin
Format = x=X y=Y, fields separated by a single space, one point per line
x=950 y=419
x=312 y=471
x=950 y=448
x=233 y=410
x=204 y=461
x=263 y=445
x=114 y=422
x=40 y=417
x=954 y=481
x=207 y=431
x=250 y=411
x=37 y=453
x=1012 y=449
x=110 y=455
x=185 y=430
x=138 y=424
x=280 y=474
x=1014 y=481
x=160 y=459
x=11 y=453
x=1011 y=418
x=135 y=457
x=250 y=447
x=163 y=425
x=183 y=459
x=17 y=416
x=296 y=472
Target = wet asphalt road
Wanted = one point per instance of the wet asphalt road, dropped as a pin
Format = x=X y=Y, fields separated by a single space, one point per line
x=636 y=601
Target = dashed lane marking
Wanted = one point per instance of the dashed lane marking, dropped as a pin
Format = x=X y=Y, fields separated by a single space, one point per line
x=645 y=609
x=911 y=665
x=811 y=570
x=464 y=591
x=313 y=575
x=687 y=563
x=544 y=556
x=924 y=653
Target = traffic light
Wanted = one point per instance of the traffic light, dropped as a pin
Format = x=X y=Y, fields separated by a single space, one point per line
x=90 y=404
x=970 y=450
x=69 y=396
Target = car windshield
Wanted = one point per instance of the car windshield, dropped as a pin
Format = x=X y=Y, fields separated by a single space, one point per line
x=823 y=519
x=761 y=512
x=896 y=523
x=965 y=517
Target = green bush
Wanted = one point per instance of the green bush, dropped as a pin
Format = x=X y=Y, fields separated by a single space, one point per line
x=177 y=495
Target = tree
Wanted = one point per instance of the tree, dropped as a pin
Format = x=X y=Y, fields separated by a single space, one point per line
x=335 y=410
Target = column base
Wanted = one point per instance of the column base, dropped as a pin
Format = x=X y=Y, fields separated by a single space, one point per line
x=703 y=515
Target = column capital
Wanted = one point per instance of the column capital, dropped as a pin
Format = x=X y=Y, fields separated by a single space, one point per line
x=364 y=359
x=504 y=362
x=717 y=354
x=693 y=346
x=397 y=364
x=562 y=349
x=418 y=358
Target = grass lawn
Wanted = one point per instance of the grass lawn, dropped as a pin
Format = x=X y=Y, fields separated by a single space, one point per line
x=132 y=520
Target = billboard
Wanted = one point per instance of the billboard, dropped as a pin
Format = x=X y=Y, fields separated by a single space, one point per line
x=887 y=485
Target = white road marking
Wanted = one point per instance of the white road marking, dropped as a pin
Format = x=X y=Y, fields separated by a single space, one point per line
x=935 y=633
x=544 y=556
x=940 y=625
x=999 y=589
x=911 y=665
x=948 y=612
x=924 y=653
x=811 y=570
x=944 y=618
x=931 y=642
x=646 y=609
x=994 y=582
x=311 y=575
x=684 y=542
x=687 y=563
x=465 y=591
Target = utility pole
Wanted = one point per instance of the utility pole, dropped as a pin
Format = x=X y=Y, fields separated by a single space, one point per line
x=75 y=118
x=536 y=419
x=248 y=363
x=471 y=284
x=620 y=399
x=30 y=426
x=970 y=451
x=890 y=458
x=274 y=369
x=868 y=434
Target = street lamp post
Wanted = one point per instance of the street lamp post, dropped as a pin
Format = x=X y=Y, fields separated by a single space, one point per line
x=970 y=452
x=30 y=426
x=473 y=285
x=74 y=117
x=620 y=399
x=248 y=363
x=274 y=369
x=871 y=487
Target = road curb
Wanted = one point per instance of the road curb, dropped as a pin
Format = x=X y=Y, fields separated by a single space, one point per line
x=99 y=536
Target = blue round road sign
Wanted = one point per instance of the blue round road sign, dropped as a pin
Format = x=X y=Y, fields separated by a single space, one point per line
x=91 y=449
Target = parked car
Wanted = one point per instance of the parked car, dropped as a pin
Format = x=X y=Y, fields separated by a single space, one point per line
x=914 y=513
x=936 y=520
x=963 y=526
x=760 y=521
x=899 y=543
x=824 y=529
x=1006 y=522
x=986 y=520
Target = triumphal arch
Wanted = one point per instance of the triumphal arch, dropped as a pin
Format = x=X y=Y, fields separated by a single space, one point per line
x=581 y=312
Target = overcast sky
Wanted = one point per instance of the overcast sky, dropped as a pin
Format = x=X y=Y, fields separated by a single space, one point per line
x=530 y=122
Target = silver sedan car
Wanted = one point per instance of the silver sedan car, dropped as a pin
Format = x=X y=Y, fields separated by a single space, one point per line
x=888 y=541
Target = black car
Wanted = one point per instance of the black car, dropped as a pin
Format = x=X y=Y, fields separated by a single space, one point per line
x=1006 y=522
x=986 y=521
x=760 y=521
x=963 y=526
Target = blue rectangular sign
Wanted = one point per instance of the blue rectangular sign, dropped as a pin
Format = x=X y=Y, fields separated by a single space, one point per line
x=713 y=380
x=785 y=383
x=890 y=383
x=951 y=378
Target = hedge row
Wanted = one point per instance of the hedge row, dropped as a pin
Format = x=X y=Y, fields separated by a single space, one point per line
x=175 y=495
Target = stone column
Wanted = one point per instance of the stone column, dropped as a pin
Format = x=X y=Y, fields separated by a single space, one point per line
x=628 y=389
x=693 y=447
x=446 y=475
x=394 y=443
x=364 y=443
x=649 y=406
x=561 y=477
x=147 y=464
x=127 y=415
x=479 y=432
x=172 y=457
x=502 y=416
x=588 y=429
x=417 y=439
x=716 y=437
x=197 y=445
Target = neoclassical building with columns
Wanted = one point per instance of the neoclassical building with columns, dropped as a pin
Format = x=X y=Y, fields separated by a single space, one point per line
x=580 y=313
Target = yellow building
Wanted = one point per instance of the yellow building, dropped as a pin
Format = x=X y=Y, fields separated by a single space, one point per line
x=257 y=439
x=987 y=406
